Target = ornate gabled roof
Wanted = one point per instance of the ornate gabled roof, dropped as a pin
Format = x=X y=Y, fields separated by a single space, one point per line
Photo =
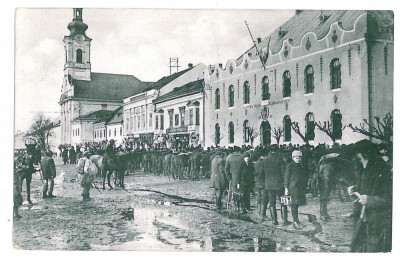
x=105 y=86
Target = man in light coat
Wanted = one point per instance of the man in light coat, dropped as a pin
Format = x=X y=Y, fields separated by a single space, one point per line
x=219 y=181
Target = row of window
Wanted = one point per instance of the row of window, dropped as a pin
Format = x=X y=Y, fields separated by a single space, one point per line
x=265 y=129
x=179 y=119
x=335 y=75
x=102 y=133
x=75 y=132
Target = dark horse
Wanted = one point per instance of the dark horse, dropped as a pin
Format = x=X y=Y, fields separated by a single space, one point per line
x=335 y=170
x=114 y=163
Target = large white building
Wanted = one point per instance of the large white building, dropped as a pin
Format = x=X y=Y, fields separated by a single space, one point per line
x=320 y=66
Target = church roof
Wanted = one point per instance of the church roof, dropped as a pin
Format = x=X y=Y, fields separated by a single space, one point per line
x=97 y=116
x=307 y=21
x=107 y=86
x=166 y=79
x=187 y=89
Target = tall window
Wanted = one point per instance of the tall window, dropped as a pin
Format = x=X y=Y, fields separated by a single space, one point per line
x=265 y=88
x=182 y=114
x=191 y=117
x=150 y=120
x=286 y=91
x=310 y=126
x=231 y=132
x=79 y=56
x=217 y=99
x=176 y=120
x=246 y=131
x=231 y=98
x=197 y=116
x=217 y=134
x=309 y=79
x=171 y=118
x=162 y=121
x=109 y=132
x=156 y=122
x=138 y=122
x=246 y=92
x=336 y=119
x=115 y=132
x=287 y=128
x=120 y=131
x=335 y=74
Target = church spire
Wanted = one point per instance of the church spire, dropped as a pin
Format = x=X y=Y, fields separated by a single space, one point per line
x=77 y=26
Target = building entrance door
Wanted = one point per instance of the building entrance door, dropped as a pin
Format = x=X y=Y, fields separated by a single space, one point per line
x=265 y=133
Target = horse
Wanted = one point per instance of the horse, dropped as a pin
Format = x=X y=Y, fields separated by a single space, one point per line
x=334 y=170
x=114 y=163
x=98 y=161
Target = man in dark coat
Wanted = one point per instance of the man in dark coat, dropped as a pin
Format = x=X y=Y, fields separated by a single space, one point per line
x=72 y=155
x=65 y=155
x=219 y=180
x=49 y=173
x=296 y=176
x=235 y=169
x=248 y=181
x=259 y=185
x=273 y=175
x=372 y=233
x=195 y=159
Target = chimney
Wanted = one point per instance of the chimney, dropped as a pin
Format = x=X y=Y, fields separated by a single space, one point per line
x=104 y=107
x=220 y=65
x=190 y=65
x=298 y=11
x=259 y=40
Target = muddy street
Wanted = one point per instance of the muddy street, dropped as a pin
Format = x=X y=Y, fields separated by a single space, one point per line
x=155 y=213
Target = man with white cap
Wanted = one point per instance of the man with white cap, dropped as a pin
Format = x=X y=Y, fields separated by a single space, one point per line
x=295 y=185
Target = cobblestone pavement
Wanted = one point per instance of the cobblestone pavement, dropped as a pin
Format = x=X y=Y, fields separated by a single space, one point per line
x=155 y=213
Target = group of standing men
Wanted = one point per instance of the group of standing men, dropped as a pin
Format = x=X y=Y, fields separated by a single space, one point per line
x=267 y=177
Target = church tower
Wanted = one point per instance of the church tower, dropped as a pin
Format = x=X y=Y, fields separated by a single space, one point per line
x=77 y=49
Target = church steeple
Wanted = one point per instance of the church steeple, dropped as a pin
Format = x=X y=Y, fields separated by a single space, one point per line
x=77 y=49
x=77 y=26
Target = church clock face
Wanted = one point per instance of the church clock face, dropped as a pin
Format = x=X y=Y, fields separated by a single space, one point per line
x=79 y=38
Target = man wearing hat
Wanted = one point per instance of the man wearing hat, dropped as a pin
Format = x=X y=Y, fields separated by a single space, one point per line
x=295 y=185
x=87 y=179
x=374 y=187
x=247 y=180
x=273 y=176
x=49 y=173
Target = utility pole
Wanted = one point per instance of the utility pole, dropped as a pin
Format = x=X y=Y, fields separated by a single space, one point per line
x=173 y=63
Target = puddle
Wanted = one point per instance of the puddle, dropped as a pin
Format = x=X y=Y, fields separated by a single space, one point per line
x=34 y=207
x=232 y=242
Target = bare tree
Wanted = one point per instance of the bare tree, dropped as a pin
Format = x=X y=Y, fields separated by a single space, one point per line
x=296 y=129
x=253 y=133
x=381 y=129
x=327 y=128
x=277 y=133
x=41 y=129
x=217 y=140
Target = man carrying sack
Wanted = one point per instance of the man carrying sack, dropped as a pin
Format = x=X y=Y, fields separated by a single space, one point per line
x=88 y=170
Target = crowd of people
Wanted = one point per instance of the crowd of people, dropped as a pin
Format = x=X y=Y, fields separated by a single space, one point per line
x=274 y=174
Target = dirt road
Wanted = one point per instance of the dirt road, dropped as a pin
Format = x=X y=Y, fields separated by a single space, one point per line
x=155 y=213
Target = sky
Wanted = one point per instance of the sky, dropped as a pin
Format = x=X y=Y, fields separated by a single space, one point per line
x=138 y=42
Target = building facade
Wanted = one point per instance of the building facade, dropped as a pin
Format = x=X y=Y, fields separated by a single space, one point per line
x=332 y=68
x=143 y=122
x=83 y=91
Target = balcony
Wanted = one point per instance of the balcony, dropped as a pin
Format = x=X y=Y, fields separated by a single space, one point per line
x=178 y=129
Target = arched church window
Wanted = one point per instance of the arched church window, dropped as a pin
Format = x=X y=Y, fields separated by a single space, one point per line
x=265 y=88
x=335 y=74
x=246 y=92
x=287 y=128
x=286 y=79
x=231 y=132
x=336 y=119
x=309 y=79
x=79 y=56
x=231 y=97
x=310 y=126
